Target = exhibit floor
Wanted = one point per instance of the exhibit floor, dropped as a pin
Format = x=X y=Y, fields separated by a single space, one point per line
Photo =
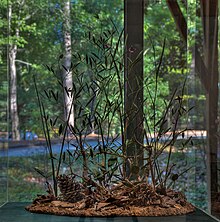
x=15 y=212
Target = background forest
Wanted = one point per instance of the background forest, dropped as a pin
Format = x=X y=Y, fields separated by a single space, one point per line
x=35 y=32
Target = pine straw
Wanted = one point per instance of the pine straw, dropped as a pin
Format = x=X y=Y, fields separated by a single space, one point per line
x=152 y=210
x=121 y=200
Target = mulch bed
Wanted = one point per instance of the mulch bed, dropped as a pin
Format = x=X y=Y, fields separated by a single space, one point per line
x=68 y=209
x=133 y=199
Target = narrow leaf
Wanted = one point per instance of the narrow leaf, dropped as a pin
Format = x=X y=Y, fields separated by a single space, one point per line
x=43 y=174
x=60 y=129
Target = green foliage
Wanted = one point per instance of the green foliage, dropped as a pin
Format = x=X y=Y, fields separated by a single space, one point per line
x=40 y=37
x=3 y=98
x=159 y=25
x=3 y=30
x=21 y=187
x=3 y=68
x=40 y=26
x=3 y=106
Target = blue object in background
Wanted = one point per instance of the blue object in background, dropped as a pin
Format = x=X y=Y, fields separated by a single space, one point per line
x=28 y=135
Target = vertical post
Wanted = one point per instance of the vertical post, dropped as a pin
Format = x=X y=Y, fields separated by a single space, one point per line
x=209 y=12
x=134 y=20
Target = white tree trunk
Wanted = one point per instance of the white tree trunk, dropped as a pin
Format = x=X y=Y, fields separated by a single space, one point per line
x=67 y=75
x=12 y=52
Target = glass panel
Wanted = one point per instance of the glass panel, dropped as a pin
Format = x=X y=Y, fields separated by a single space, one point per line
x=197 y=100
x=3 y=105
x=40 y=46
x=180 y=91
x=207 y=96
x=3 y=137
x=163 y=38
x=191 y=33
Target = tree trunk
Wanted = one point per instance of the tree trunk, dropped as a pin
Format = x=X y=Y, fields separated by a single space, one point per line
x=13 y=84
x=67 y=74
x=134 y=14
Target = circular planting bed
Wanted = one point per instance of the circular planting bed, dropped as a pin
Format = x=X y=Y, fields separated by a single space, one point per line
x=124 y=199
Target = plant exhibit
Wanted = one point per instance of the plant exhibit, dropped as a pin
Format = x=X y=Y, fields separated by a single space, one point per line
x=102 y=178
x=109 y=107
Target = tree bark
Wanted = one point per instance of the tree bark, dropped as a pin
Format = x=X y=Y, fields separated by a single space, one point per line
x=134 y=14
x=12 y=53
x=67 y=73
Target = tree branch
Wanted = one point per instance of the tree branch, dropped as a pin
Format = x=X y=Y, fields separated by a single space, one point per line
x=181 y=25
x=23 y=62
